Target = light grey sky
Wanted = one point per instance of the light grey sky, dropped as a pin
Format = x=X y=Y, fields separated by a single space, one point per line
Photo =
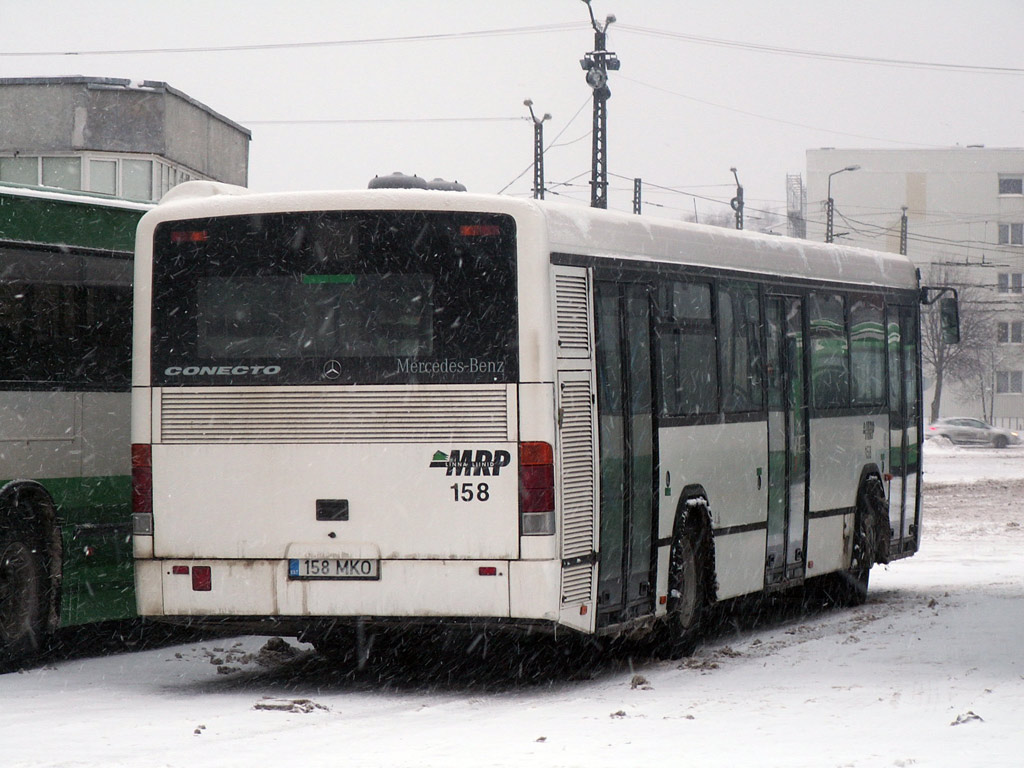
x=682 y=110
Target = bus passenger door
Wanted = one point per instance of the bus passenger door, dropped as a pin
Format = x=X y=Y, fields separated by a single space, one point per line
x=787 y=440
x=904 y=447
x=625 y=584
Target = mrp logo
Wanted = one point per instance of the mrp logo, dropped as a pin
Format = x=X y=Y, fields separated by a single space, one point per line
x=469 y=462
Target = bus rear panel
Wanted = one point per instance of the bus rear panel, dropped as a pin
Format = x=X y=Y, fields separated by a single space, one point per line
x=334 y=421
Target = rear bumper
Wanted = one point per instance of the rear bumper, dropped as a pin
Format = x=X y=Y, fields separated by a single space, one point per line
x=406 y=589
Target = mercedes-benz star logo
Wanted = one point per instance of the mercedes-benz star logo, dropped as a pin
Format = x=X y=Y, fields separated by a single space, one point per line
x=332 y=369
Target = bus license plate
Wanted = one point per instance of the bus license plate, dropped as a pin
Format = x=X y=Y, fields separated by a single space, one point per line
x=333 y=568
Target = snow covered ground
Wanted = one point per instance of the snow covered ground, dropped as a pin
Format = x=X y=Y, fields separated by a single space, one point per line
x=927 y=673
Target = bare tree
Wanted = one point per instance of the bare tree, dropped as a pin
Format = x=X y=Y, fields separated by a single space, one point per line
x=970 y=361
x=981 y=383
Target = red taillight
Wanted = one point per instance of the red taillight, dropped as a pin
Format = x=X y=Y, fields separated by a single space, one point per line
x=534 y=454
x=202 y=579
x=536 y=478
x=188 y=236
x=479 y=230
x=142 y=478
x=179 y=570
x=487 y=570
x=536 y=489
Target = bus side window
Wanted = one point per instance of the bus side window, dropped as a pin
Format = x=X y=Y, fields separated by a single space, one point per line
x=739 y=347
x=867 y=350
x=686 y=349
x=830 y=373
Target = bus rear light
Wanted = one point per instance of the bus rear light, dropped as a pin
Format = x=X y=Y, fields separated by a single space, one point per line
x=142 y=480
x=479 y=230
x=188 y=236
x=202 y=579
x=536 y=489
x=487 y=570
x=179 y=570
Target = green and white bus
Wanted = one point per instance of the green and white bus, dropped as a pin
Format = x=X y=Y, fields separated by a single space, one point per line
x=410 y=407
x=65 y=363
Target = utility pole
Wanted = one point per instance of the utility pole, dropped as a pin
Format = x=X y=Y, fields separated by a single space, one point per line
x=903 y=232
x=597 y=63
x=830 y=204
x=538 y=151
x=637 y=184
x=737 y=202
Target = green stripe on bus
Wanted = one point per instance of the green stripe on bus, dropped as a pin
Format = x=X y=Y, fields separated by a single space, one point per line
x=328 y=279
x=102 y=499
x=85 y=224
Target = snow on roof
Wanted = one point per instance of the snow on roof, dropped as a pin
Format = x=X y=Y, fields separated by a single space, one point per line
x=575 y=230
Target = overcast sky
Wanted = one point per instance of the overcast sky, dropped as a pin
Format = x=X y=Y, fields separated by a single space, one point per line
x=696 y=94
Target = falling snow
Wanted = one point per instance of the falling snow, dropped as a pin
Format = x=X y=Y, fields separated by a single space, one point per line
x=927 y=672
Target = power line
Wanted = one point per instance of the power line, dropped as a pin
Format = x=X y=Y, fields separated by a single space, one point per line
x=376 y=120
x=777 y=119
x=802 y=53
x=539 y=29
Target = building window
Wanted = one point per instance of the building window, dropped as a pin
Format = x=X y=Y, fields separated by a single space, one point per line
x=1010 y=333
x=1010 y=282
x=137 y=179
x=104 y=173
x=62 y=172
x=102 y=177
x=20 y=170
x=1012 y=184
x=1011 y=234
x=1009 y=382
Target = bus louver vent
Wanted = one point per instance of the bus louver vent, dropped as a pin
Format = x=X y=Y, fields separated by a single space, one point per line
x=577 y=453
x=576 y=583
x=366 y=414
x=572 y=315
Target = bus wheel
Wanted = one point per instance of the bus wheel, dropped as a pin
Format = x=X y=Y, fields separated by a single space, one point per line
x=870 y=546
x=22 y=587
x=687 y=591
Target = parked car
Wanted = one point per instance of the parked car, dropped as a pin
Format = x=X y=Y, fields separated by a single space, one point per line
x=964 y=431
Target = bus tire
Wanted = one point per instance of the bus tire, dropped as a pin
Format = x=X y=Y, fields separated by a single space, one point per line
x=870 y=545
x=22 y=597
x=689 y=586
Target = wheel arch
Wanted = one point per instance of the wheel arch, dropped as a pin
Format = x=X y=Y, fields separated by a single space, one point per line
x=882 y=528
x=693 y=514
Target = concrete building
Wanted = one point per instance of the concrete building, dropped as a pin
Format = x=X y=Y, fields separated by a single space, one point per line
x=116 y=137
x=965 y=212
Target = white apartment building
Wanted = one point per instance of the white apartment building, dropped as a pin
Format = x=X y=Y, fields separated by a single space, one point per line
x=964 y=207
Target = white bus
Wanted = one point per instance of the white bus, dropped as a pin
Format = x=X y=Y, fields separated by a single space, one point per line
x=416 y=407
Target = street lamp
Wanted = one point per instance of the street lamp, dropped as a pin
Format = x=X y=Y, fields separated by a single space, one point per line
x=737 y=202
x=538 y=150
x=597 y=64
x=830 y=204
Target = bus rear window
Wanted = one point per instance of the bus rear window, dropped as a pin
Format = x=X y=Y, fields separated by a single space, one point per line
x=335 y=297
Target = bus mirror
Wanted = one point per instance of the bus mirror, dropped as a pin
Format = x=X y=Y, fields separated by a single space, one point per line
x=949 y=319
